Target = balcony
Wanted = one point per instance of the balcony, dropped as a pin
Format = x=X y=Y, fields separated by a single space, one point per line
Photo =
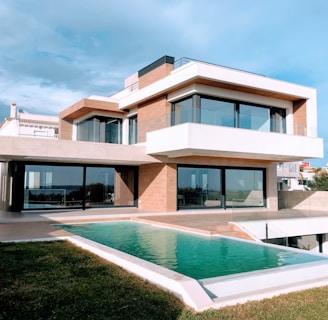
x=193 y=139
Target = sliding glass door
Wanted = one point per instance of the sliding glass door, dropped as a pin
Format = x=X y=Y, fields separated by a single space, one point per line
x=99 y=186
x=244 y=188
x=199 y=187
x=205 y=187
x=50 y=187
x=53 y=186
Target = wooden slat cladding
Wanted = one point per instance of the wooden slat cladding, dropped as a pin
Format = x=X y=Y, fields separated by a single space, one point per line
x=299 y=111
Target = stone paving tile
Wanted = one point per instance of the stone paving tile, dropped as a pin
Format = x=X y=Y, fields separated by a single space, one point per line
x=29 y=231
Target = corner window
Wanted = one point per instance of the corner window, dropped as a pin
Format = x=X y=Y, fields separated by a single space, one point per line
x=278 y=120
x=100 y=129
x=229 y=113
x=182 y=111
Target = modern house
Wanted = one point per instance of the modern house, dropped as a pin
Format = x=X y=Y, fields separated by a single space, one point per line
x=181 y=134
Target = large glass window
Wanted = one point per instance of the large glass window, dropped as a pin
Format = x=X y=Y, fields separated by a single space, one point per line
x=110 y=186
x=182 y=111
x=199 y=187
x=52 y=186
x=100 y=129
x=133 y=130
x=244 y=188
x=99 y=186
x=254 y=117
x=60 y=186
x=203 y=187
x=219 y=112
x=216 y=112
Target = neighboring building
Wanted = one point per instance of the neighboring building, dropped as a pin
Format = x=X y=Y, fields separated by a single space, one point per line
x=21 y=123
x=288 y=174
x=295 y=175
x=182 y=134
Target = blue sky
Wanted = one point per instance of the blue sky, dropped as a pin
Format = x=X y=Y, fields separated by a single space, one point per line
x=54 y=53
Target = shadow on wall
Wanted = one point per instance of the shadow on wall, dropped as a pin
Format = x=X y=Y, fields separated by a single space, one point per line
x=303 y=200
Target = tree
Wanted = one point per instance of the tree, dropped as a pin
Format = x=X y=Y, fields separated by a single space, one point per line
x=320 y=181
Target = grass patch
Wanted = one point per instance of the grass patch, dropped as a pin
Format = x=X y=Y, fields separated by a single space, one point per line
x=56 y=280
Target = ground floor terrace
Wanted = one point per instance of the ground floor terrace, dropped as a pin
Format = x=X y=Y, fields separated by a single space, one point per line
x=249 y=225
x=255 y=223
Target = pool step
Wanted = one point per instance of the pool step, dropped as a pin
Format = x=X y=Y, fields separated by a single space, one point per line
x=231 y=230
x=255 y=285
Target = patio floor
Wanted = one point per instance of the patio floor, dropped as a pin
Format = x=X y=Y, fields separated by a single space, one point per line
x=39 y=225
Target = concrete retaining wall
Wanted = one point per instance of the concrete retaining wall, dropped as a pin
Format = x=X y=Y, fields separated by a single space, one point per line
x=303 y=200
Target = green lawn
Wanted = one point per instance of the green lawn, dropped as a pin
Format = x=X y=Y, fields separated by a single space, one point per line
x=56 y=280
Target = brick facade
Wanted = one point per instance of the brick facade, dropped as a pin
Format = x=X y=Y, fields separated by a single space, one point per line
x=65 y=129
x=157 y=187
x=154 y=75
x=153 y=115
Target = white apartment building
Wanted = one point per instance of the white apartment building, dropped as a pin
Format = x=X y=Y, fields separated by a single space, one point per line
x=21 y=123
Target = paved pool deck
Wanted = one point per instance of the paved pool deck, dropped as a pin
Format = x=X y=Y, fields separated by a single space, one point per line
x=15 y=226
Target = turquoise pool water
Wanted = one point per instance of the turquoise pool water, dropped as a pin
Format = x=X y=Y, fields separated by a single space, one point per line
x=193 y=255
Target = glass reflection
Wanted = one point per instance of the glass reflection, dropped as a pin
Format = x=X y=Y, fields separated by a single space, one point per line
x=99 y=186
x=133 y=130
x=182 y=111
x=255 y=118
x=199 y=187
x=244 y=188
x=100 y=129
x=51 y=187
x=216 y=112
x=48 y=187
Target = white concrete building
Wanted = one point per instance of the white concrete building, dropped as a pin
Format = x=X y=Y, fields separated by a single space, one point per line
x=21 y=123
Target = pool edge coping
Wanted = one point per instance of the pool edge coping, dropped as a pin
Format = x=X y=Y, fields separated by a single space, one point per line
x=186 y=288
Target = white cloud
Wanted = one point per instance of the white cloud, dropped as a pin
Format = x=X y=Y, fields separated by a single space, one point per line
x=34 y=99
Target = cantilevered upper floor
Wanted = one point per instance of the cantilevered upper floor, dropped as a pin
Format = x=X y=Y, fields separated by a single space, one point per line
x=190 y=108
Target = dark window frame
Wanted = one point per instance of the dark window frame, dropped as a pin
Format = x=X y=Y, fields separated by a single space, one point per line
x=102 y=133
x=133 y=129
x=223 y=170
x=196 y=111
x=18 y=171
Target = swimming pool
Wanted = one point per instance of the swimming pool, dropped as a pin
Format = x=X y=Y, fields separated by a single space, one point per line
x=194 y=255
